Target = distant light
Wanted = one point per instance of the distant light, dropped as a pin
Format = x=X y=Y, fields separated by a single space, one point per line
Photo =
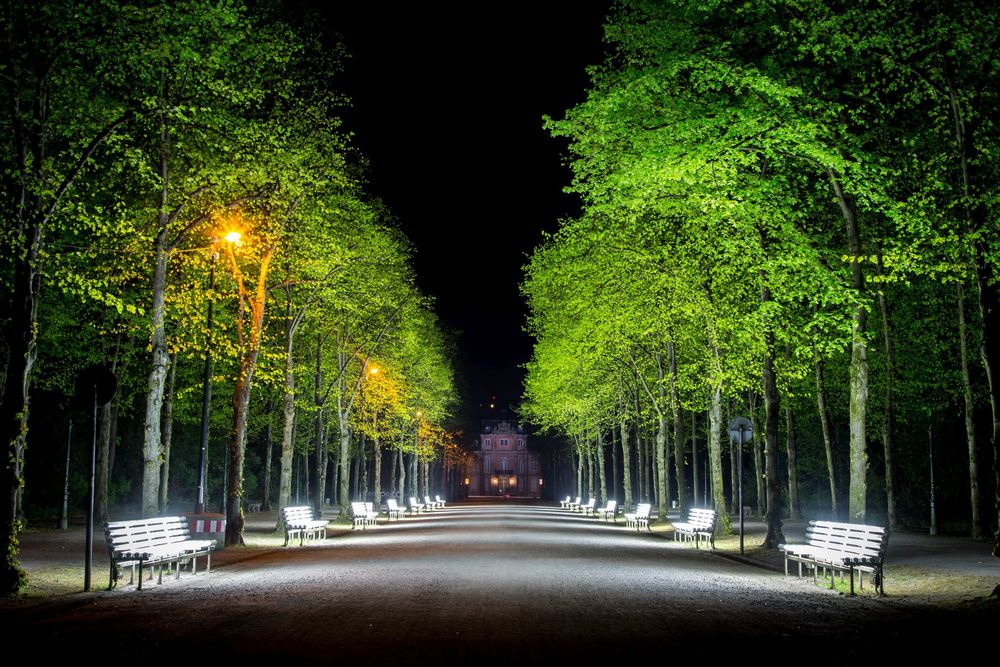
x=491 y=405
x=373 y=370
x=419 y=413
x=233 y=237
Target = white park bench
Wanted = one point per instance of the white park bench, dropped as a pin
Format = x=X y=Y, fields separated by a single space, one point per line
x=610 y=510
x=363 y=515
x=299 y=521
x=416 y=507
x=564 y=503
x=639 y=518
x=590 y=507
x=393 y=509
x=159 y=542
x=433 y=504
x=573 y=505
x=439 y=502
x=700 y=524
x=843 y=547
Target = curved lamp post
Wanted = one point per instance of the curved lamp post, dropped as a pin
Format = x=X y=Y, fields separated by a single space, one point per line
x=206 y=395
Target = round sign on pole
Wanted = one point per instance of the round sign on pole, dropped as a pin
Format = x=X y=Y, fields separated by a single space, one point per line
x=737 y=424
x=95 y=382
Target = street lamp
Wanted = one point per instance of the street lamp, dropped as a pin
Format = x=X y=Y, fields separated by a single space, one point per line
x=740 y=432
x=232 y=237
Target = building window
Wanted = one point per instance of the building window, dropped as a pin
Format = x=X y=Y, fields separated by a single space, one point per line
x=520 y=443
x=487 y=444
x=534 y=465
x=520 y=465
x=504 y=442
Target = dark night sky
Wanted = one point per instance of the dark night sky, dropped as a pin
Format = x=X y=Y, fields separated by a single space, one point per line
x=447 y=105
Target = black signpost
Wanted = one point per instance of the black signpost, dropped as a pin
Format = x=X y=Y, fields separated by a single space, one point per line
x=95 y=385
x=740 y=432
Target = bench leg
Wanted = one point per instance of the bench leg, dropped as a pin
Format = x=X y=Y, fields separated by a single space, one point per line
x=139 y=585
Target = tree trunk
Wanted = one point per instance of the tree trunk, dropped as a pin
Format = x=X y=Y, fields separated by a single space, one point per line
x=600 y=466
x=887 y=422
x=287 y=430
x=402 y=477
x=978 y=529
x=661 y=465
x=989 y=311
x=579 y=473
x=241 y=396
x=152 y=445
x=168 y=427
x=974 y=196
x=590 y=472
x=614 y=464
x=268 y=453
x=344 y=464
x=363 y=468
x=824 y=420
x=715 y=459
x=793 y=462
x=695 y=467
x=377 y=473
x=759 y=467
x=392 y=470
x=772 y=412
x=319 y=461
x=105 y=458
x=319 y=453
x=858 y=492
x=237 y=447
x=414 y=482
x=734 y=481
x=626 y=463
x=679 y=439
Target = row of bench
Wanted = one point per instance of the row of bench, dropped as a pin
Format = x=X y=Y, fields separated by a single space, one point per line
x=300 y=521
x=638 y=519
x=830 y=547
x=166 y=542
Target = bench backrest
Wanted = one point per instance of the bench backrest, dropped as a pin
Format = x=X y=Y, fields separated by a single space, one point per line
x=370 y=508
x=853 y=539
x=358 y=509
x=413 y=501
x=703 y=519
x=642 y=510
x=298 y=514
x=577 y=501
x=591 y=503
x=427 y=500
x=611 y=505
x=391 y=504
x=146 y=533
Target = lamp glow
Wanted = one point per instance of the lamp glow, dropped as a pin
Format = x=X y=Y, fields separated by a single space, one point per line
x=233 y=237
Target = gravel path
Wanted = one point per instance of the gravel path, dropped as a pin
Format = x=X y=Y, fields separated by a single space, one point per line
x=488 y=584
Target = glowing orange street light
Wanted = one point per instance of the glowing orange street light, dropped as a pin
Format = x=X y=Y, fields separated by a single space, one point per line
x=233 y=238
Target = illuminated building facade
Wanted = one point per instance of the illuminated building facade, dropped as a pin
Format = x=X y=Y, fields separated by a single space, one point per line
x=501 y=463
